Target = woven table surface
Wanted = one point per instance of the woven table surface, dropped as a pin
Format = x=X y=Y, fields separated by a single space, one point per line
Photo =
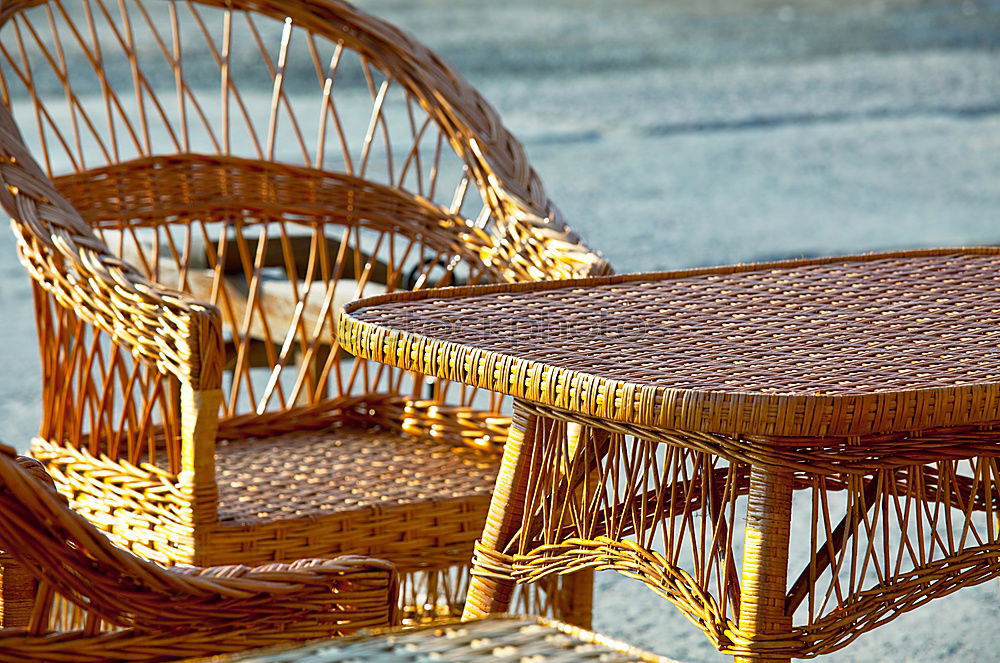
x=500 y=639
x=843 y=346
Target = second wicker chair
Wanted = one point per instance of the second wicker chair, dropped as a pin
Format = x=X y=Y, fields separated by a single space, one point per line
x=69 y=595
x=227 y=175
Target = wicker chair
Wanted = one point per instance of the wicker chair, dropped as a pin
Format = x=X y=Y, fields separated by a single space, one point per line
x=127 y=609
x=188 y=272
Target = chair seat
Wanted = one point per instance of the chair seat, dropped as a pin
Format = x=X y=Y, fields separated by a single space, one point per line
x=343 y=469
x=348 y=490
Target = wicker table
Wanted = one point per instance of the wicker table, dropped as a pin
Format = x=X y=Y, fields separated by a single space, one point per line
x=499 y=639
x=663 y=421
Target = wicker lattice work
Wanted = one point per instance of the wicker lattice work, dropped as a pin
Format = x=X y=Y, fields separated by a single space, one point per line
x=669 y=423
x=95 y=602
x=881 y=541
x=227 y=176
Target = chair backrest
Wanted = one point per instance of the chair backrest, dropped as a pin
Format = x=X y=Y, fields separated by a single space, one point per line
x=315 y=83
x=275 y=160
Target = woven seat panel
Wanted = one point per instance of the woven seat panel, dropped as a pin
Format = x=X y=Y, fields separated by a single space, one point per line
x=309 y=474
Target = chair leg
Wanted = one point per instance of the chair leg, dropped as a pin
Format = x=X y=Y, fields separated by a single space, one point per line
x=491 y=585
x=578 y=609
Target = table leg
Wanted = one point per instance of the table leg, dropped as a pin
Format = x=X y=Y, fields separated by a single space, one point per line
x=765 y=559
x=489 y=592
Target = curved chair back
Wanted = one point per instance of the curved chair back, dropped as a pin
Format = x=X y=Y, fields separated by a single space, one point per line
x=315 y=83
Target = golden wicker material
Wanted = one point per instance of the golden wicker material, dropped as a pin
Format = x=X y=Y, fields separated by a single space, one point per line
x=126 y=609
x=665 y=417
x=226 y=175
x=499 y=639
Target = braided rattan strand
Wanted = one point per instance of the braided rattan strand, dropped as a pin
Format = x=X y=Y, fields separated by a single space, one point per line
x=154 y=614
x=842 y=346
x=163 y=188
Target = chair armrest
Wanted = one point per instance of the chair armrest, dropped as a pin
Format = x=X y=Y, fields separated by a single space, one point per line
x=354 y=590
x=310 y=597
x=163 y=327
x=236 y=609
x=18 y=589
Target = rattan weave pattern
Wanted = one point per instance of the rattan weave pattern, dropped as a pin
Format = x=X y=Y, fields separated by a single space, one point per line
x=263 y=479
x=501 y=639
x=844 y=346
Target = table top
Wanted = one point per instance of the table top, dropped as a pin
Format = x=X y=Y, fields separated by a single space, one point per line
x=499 y=639
x=833 y=347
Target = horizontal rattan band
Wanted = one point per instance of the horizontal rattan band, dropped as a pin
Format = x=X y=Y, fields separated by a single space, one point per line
x=827 y=455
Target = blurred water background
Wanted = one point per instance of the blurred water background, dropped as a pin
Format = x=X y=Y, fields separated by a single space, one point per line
x=675 y=134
